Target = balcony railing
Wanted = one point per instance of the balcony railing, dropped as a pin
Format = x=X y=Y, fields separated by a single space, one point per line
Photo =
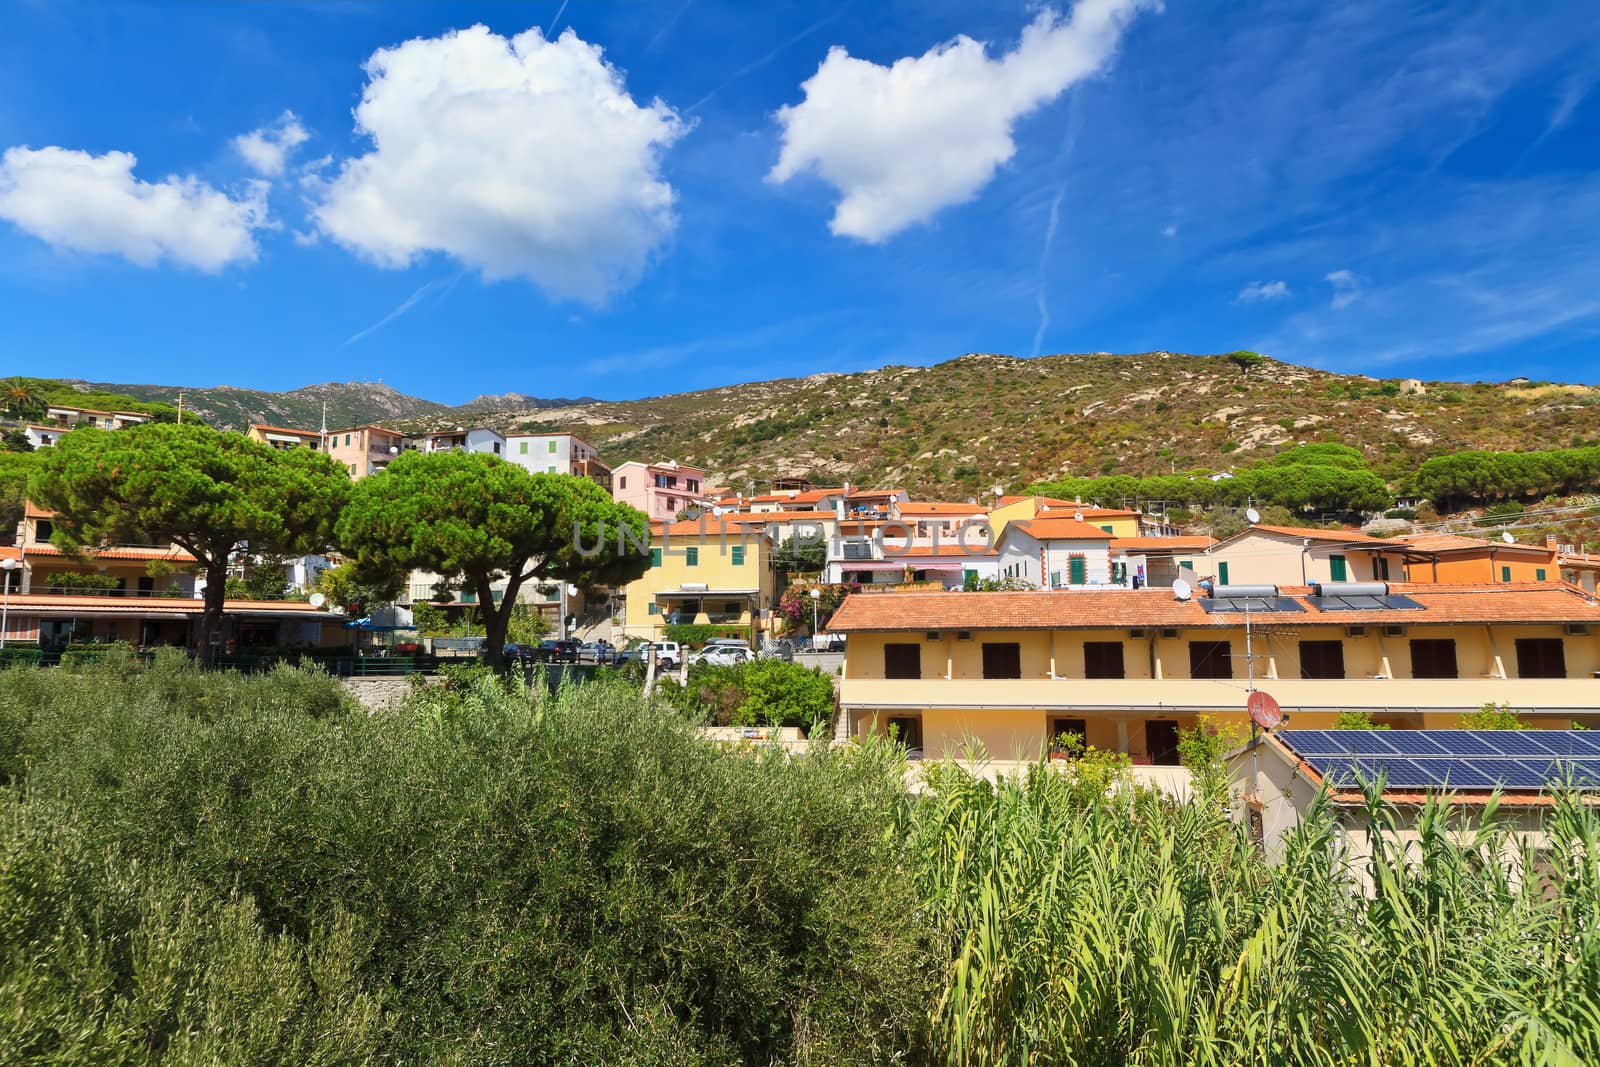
x=1563 y=696
x=902 y=587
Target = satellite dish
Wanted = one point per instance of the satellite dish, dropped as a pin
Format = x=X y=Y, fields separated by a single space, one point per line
x=317 y=600
x=1264 y=710
x=1182 y=589
x=1505 y=536
x=1252 y=515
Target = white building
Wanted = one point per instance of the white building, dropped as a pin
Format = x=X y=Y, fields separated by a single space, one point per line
x=477 y=439
x=557 y=453
x=1058 y=552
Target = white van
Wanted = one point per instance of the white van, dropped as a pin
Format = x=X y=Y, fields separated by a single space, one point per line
x=668 y=656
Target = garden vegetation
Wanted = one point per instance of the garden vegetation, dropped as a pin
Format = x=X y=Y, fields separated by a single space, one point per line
x=203 y=868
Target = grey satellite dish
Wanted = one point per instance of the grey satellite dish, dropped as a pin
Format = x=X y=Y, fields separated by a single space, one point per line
x=1182 y=589
x=1252 y=515
x=1505 y=535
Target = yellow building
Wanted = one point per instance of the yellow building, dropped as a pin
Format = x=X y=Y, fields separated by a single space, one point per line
x=1127 y=669
x=282 y=437
x=705 y=572
x=1118 y=522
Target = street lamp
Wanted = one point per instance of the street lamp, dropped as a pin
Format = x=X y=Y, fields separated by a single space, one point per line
x=816 y=599
x=566 y=591
x=7 y=568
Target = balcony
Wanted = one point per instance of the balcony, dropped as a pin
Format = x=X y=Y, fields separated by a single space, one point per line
x=1174 y=781
x=1559 y=696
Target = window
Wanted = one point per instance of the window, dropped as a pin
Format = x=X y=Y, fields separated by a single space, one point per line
x=1069 y=729
x=1161 y=742
x=552 y=448
x=1002 y=659
x=347 y=440
x=497 y=448
x=551 y=469
x=738 y=555
x=1381 y=566
x=1077 y=570
x=1222 y=572
x=1107 y=529
x=1433 y=658
x=694 y=486
x=691 y=557
x=1505 y=574
x=907 y=729
x=1210 y=659
x=902 y=661
x=655 y=557
x=1337 y=569
x=1055 y=579
x=1186 y=564
x=1102 y=659
x=522 y=448
x=622 y=483
x=1538 y=574
x=1322 y=659
x=43 y=529
x=654 y=609
x=1541 y=657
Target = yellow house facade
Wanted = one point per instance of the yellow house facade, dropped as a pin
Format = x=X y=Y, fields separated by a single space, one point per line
x=1117 y=522
x=702 y=572
x=1127 y=670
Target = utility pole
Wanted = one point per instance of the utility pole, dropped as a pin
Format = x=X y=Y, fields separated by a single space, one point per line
x=180 y=407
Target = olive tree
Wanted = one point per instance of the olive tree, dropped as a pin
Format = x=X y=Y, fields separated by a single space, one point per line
x=477 y=520
x=212 y=493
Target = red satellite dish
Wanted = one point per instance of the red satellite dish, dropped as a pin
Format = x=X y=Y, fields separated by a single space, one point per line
x=1264 y=710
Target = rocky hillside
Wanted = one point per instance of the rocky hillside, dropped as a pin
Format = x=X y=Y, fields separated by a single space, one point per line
x=349 y=404
x=962 y=426
x=959 y=427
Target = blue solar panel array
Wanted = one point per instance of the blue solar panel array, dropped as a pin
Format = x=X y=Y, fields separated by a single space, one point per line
x=1451 y=759
x=1223 y=605
x=1389 y=602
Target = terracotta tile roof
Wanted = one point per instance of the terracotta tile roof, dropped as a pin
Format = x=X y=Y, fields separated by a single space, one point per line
x=23 y=602
x=1183 y=543
x=1458 y=543
x=1057 y=528
x=1516 y=602
x=1315 y=534
x=753 y=517
x=934 y=507
x=177 y=555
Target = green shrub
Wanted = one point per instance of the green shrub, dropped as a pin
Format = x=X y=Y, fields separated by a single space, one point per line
x=1493 y=717
x=85 y=582
x=1357 y=720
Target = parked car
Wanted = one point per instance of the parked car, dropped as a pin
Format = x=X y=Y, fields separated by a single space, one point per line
x=597 y=652
x=669 y=656
x=525 y=653
x=564 y=650
x=721 y=656
x=731 y=644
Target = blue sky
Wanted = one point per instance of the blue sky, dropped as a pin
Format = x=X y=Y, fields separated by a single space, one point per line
x=691 y=194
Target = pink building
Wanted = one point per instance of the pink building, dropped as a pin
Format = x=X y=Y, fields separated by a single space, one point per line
x=660 y=490
x=365 y=450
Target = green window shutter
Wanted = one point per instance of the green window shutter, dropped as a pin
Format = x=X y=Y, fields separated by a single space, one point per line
x=552 y=447
x=1383 y=568
x=524 y=448
x=1107 y=529
x=1337 y=569
x=1186 y=564
x=738 y=555
x=1077 y=570
x=654 y=609
x=655 y=557
x=691 y=557
x=1538 y=574
x=1505 y=574
x=1055 y=579
x=469 y=596
x=1222 y=572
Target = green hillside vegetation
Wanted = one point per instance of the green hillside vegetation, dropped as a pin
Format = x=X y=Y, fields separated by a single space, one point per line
x=49 y=391
x=348 y=404
x=1322 y=478
x=1478 y=476
x=202 y=868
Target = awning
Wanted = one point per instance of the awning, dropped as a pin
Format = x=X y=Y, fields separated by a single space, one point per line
x=679 y=594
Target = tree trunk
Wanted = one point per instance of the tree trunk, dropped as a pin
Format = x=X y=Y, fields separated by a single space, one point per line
x=211 y=617
x=496 y=618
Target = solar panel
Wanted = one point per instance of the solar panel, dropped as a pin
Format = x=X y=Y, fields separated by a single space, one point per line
x=1450 y=759
x=1365 y=603
x=1238 y=605
x=1415 y=743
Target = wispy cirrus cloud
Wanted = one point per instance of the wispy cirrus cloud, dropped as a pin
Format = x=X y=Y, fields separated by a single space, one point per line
x=1256 y=292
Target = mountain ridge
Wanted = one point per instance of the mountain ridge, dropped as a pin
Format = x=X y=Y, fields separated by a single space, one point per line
x=962 y=426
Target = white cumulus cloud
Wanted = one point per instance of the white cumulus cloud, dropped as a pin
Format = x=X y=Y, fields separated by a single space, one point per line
x=1258 y=291
x=902 y=142
x=519 y=157
x=85 y=203
x=268 y=149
